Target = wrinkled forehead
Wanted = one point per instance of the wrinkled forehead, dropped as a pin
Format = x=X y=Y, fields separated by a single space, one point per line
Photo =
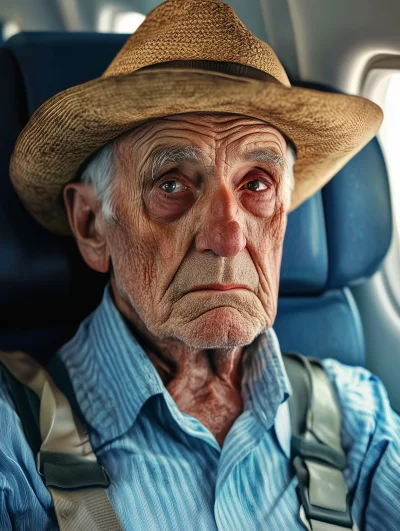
x=202 y=138
x=203 y=128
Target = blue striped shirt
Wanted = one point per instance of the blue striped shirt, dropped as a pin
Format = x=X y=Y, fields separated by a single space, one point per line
x=167 y=470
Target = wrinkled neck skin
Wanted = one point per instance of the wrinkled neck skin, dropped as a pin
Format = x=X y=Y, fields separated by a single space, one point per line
x=205 y=383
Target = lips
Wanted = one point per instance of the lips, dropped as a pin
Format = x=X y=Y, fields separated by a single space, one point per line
x=219 y=287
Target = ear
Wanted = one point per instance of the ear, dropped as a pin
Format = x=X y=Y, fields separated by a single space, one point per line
x=87 y=224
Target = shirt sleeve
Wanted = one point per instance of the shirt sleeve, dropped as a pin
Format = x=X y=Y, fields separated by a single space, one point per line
x=383 y=460
x=5 y=522
x=25 y=503
x=371 y=440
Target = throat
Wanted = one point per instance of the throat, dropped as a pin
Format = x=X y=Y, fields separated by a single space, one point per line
x=205 y=384
x=216 y=405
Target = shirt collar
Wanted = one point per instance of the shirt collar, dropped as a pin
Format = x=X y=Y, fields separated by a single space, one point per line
x=113 y=377
x=266 y=387
x=283 y=428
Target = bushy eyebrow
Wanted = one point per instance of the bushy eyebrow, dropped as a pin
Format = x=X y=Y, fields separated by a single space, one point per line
x=164 y=155
x=268 y=156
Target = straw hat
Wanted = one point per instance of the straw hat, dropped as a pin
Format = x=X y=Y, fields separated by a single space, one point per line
x=187 y=56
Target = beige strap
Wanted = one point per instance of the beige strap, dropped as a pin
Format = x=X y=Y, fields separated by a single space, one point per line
x=61 y=431
x=84 y=509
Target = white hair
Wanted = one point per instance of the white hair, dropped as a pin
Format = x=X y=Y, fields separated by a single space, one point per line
x=289 y=174
x=100 y=174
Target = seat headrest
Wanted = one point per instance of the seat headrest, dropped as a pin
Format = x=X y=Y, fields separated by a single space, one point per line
x=356 y=219
x=53 y=61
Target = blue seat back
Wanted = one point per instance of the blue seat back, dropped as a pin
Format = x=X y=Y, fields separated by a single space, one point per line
x=334 y=240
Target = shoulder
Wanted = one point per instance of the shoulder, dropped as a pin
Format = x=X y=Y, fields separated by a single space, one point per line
x=24 y=499
x=17 y=463
x=13 y=442
x=11 y=436
x=371 y=440
x=364 y=400
x=10 y=423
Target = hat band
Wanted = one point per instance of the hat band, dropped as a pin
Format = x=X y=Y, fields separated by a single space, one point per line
x=233 y=69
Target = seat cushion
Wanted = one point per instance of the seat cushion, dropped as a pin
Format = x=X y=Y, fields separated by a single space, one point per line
x=327 y=326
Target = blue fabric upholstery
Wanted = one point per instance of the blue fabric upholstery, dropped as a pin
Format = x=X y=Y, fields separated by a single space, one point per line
x=327 y=326
x=358 y=214
x=305 y=250
x=42 y=278
x=358 y=218
x=51 y=62
x=335 y=239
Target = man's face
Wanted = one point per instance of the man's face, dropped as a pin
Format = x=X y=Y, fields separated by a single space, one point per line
x=199 y=200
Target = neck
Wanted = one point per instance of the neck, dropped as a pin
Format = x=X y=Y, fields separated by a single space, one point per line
x=205 y=383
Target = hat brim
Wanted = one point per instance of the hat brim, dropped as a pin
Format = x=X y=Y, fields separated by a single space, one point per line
x=328 y=129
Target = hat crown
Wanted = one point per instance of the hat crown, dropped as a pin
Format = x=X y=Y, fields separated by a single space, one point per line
x=193 y=30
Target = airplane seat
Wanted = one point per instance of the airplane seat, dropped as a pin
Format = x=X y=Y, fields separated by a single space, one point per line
x=334 y=240
x=347 y=238
x=31 y=263
x=45 y=287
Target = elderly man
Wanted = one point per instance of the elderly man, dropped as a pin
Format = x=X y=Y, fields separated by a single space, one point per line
x=186 y=161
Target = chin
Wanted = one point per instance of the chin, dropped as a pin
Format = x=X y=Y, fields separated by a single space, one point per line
x=222 y=327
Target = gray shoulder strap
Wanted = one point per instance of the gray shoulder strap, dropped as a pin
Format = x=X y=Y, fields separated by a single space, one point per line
x=317 y=454
x=74 y=478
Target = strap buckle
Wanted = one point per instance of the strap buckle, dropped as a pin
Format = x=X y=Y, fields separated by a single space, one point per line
x=69 y=471
x=308 y=512
x=303 y=451
x=307 y=525
x=308 y=449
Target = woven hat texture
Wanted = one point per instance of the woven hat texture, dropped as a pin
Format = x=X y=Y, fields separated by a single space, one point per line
x=174 y=64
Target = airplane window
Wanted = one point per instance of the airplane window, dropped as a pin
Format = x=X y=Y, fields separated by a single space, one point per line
x=389 y=137
x=114 y=21
x=9 y=29
x=127 y=22
x=382 y=85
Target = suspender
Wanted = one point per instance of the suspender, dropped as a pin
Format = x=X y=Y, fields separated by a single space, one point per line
x=317 y=455
x=316 y=452
x=65 y=460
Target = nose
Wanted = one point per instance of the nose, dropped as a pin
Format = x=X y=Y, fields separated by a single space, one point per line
x=221 y=231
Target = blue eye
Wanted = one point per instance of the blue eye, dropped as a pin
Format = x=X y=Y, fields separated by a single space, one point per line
x=170 y=187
